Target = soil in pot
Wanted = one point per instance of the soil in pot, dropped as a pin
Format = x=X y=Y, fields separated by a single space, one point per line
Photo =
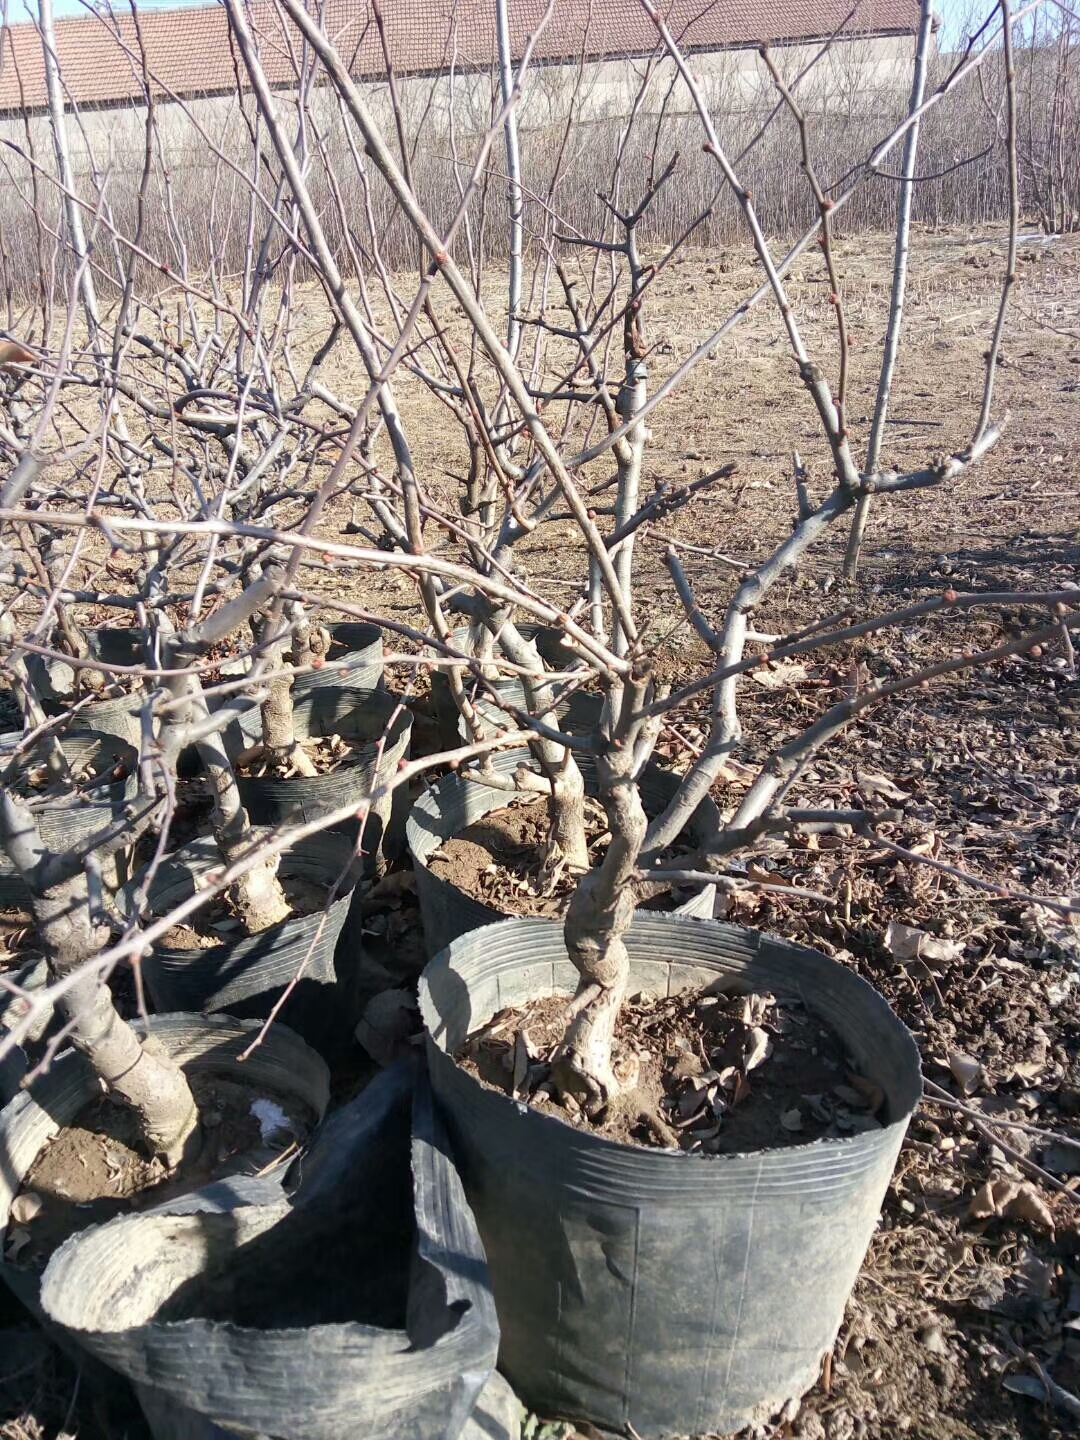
x=95 y=1168
x=326 y=754
x=499 y=861
x=216 y=922
x=18 y=937
x=704 y=1072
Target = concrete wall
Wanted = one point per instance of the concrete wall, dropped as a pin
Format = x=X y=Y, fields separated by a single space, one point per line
x=855 y=74
x=198 y=208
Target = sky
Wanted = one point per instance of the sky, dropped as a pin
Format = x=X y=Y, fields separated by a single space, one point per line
x=953 y=12
x=17 y=9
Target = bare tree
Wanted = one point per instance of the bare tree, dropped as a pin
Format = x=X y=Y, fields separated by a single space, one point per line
x=226 y=509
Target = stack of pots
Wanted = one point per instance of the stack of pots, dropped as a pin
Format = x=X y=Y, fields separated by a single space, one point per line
x=352 y=1294
x=302 y=969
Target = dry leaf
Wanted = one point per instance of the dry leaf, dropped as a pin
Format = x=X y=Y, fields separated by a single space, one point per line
x=733 y=771
x=1057 y=935
x=692 y=1102
x=849 y=1095
x=762 y=876
x=990 y=1200
x=698 y=1137
x=1028 y=1204
x=1011 y=1200
x=755 y=1007
x=905 y=942
x=876 y=786
x=756 y=1047
x=25 y=1207
x=1028 y=1069
x=872 y=1095
x=966 y=1071
x=780 y=676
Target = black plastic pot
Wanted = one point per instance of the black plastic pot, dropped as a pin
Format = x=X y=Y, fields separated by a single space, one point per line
x=358 y=1306
x=13 y=1067
x=14 y=1008
x=381 y=730
x=66 y=817
x=282 y=1063
x=246 y=976
x=353 y=671
x=455 y=802
x=678 y=1294
x=118 y=715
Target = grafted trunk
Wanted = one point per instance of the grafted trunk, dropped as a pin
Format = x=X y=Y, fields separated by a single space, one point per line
x=599 y=915
x=257 y=896
x=566 y=803
x=136 y=1072
x=278 y=725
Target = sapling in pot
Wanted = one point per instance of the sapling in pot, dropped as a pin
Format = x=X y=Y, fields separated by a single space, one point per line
x=72 y=929
x=529 y=431
x=498 y=466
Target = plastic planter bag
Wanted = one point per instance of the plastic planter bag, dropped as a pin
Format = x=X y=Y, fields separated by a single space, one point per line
x=357 y=1306
x=672 y=1293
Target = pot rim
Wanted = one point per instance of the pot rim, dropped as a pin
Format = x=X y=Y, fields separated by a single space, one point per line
x=901 y=1107
x=190 y=1050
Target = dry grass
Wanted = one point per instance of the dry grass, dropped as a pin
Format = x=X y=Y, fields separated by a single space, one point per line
x=198 y=207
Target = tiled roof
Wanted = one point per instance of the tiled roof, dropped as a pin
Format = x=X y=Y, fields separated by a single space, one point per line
x=188 y=52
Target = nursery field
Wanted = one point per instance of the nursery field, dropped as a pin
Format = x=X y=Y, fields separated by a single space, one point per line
x=965 y=1321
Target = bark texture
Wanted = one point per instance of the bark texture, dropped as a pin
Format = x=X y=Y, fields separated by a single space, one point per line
x=133 y=1071
x=600 y=912
x=566 y=803
x=278 y=725
x=257 y=895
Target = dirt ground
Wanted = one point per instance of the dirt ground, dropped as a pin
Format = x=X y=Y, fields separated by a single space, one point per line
x=965 y=1322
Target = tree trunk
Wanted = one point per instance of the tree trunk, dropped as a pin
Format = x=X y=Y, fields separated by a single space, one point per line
x=600 y=912
x=135 y=1072
x=566 y=804
x=257 y=896
x=278 y=728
